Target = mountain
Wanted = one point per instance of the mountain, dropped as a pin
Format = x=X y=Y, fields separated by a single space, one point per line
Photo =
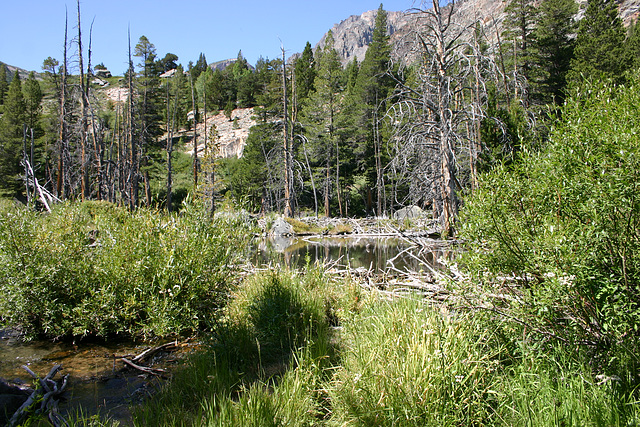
x=353 y=35
x=12 y=70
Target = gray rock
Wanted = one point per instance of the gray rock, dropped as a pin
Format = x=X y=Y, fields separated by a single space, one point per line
x=281 y=227
x=410 y=212
x=11 y=398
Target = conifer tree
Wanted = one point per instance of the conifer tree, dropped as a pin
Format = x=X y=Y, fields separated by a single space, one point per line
x=599 y=51
x=369 y=97
x=519 y=26
x=4 y=84
x=33 y=99
x=319 y=119
x=553 y=47
x=12 y=125
x=305 y=73
x=633 y=45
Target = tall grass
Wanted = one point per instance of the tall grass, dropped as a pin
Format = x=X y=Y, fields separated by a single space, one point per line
x=392 y=363
x=264 y=364
x=95 y=269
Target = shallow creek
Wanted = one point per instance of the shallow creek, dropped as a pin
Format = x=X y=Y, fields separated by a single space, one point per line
x=97 y=381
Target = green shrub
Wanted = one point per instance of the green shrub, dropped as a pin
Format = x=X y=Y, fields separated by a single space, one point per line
x=95 y=269
x=565 y=223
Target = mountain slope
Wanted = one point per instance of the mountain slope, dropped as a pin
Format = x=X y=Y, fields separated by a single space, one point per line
x=353 y=35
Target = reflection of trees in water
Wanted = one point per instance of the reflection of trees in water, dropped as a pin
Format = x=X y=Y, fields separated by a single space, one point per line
x=369 y=253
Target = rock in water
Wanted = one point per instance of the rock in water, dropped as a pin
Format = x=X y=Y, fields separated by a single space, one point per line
x=11 y=399
x=410 y=212
x=281 y=227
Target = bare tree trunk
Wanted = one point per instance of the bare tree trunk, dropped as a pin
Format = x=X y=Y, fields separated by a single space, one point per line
x=288 y=210
x=195 y=136
x=449 y=201
x=132 y=178
x=313 y=184
x=84 y=169
x=62 y=189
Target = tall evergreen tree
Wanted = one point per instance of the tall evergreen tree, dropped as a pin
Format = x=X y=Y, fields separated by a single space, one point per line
x=11 y=133
x=633 y=45
x=373 y=87
x=305 y=73
x=33 y=99
x=200 y=67
x=4 y=84
x=553 y=46
x=599 y=51
x=319 y=120
x=519 y=26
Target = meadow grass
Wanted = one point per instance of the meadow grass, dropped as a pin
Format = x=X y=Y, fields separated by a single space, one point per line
x=277 y=361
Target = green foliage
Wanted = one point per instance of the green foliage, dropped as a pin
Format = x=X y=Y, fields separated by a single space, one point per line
x=599 y=48
x=94 y=269
x=565 y=221
x=4 y=83
x=11 y=134
x=553 y=49
x=305 y=73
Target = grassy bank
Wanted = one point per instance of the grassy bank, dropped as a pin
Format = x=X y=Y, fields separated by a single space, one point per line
x=301 y=349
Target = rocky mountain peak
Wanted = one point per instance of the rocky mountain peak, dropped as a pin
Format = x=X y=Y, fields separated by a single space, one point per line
x=353 y=35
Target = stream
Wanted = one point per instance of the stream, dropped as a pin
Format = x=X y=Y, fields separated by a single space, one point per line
x=98 y=385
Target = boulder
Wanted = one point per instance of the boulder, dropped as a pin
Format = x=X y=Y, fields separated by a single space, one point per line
x=410 y=212
x=281 y=227
x=11 y=399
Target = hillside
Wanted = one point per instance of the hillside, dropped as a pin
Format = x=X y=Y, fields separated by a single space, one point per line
x=353 y=35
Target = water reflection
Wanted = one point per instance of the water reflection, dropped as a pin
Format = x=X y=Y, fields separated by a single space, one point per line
x=375 y=253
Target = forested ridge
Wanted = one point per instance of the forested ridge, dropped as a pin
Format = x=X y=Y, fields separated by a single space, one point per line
x=523 y=143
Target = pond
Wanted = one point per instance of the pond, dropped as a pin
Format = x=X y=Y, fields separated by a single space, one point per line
x=378 y=254
x=97 y=382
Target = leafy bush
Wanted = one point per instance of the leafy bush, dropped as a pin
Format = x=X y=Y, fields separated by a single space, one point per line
x=95 y=269
x=565 y=222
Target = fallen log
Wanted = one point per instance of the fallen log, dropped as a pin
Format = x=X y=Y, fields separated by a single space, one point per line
x=46 y=396
x=152 y=371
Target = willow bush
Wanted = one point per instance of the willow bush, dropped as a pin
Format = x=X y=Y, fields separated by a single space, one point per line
x=565 y=222
x=95 y=269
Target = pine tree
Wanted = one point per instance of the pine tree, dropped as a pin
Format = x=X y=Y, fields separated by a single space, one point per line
x=11 y=134
x=633 y=46
x=519 y=26
x=4 y=84
x=200 y=67
x=305 y=73
x=599 y=51
x=370 y=95
x=33 y=99
x=553 y=47
x=319 y=120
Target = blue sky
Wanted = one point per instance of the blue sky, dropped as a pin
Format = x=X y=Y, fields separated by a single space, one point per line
x=32 y=30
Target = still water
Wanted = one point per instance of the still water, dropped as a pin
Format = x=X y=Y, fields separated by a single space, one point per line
x=378 y=254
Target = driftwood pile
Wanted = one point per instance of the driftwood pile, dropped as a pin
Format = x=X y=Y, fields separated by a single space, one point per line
x=43 y=400
x=137 y=361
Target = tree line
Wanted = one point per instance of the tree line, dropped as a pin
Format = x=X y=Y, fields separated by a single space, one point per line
x=365 y=139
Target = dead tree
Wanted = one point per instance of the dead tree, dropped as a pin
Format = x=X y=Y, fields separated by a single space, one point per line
x=62 y=181
x=288 y=146
x=432 y=117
